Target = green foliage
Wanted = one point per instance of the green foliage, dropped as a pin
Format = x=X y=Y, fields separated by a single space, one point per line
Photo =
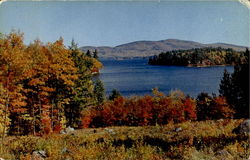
x=82 y=94
x=99 y=92
x=199 y=57
x=235 y=87
x=114 y=94
x=45 y=86
x=88 y=53
x=95 y=54
x=226 y=86
x=212 y=107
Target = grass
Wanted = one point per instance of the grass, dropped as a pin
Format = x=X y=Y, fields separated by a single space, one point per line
x=197 y=140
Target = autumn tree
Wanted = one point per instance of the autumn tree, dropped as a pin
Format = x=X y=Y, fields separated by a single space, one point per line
x=38 y=91
x=43 y=86
x=220 y=108
x=140 y=111
x=14 y=68
x=51 y=82
x=203 y=106
x=4 y=114
x=209 y=107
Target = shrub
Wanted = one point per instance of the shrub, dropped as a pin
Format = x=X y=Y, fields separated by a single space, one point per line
x=141 y=111
x=212 y=107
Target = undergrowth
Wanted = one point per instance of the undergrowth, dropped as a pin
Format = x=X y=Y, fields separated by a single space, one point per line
x=195 y=140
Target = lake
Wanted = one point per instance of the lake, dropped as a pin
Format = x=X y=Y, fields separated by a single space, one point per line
x=136 y=77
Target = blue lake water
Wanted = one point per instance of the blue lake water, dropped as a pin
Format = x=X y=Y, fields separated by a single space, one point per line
x=136 y=77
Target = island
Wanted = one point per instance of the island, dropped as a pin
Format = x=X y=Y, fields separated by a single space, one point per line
x=199 y=57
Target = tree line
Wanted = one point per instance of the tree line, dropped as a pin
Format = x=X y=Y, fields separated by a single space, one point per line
x=232 y=102
x=158 y=109
x=199 y=57
x=44 y=87
x=235 y=87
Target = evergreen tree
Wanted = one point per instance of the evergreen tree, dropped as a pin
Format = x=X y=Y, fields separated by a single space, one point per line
x=235 y=88
x=226 y=86
x=199 y=56
x=95 y=54
x=114 y=94
x=82 y=96
x=88 y=54
x=73 y=45
x=203 y=106
x=99 y=92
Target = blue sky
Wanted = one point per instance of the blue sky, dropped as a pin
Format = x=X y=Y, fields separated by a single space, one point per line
x=114 y=23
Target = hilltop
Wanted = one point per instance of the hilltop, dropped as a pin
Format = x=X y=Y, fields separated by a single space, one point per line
x=150 y=48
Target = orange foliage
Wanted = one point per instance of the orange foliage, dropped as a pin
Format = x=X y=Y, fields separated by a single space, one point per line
x=151 y=110
x=140 y=111
x=190 y=109
x=38 y=79
x=221 y=109
x=213 y=107
x=97 y=65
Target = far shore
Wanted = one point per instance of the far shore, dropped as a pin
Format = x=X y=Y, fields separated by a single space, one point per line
x=203 y=65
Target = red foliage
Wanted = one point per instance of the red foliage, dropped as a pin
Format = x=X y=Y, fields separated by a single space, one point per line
x=57 y=128
x=190 y=109
x=141 y=111
x=46 y=123
x=220 y=108
x=213 y=107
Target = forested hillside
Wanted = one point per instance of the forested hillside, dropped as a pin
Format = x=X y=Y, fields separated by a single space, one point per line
x=151 y=48
x=199 y=57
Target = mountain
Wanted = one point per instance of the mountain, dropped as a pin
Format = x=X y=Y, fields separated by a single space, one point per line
x=150 y=48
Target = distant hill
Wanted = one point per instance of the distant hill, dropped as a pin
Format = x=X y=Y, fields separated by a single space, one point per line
x=150 y=48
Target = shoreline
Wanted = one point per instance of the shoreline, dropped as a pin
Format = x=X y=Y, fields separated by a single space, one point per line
x=201 y=66
x=194 y=65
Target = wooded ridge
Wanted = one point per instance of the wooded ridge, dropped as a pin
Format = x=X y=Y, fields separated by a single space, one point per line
x=151 y=48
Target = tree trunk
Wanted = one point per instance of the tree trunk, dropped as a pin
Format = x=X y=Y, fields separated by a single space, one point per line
x=6 y=109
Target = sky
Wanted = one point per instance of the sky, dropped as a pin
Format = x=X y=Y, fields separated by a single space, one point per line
x=112 y=23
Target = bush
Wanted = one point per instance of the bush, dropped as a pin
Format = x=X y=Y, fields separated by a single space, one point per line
x=213 y=107
x=141 y=111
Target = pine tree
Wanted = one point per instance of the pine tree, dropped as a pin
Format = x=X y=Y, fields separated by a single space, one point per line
x=88 y=54
x=95 y=54
x=235 y=88
x=114 y=94
x=203 y=106
x=226 y=86
x=82 y=92
x=99 y=92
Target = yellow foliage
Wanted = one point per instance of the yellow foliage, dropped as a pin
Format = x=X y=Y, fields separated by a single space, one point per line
x=4 y=123
x=97 y=64
x=148 y=142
